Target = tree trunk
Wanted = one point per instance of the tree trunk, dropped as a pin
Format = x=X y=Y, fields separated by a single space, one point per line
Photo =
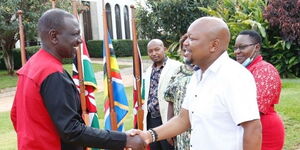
x=9 y=61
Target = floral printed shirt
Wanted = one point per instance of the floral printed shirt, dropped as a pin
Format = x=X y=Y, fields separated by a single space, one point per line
x=175 y=93
x=153 y=103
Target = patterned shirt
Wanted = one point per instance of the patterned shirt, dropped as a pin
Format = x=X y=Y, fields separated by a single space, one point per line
x=153 y=104
x=175 y=93
x=268 y=84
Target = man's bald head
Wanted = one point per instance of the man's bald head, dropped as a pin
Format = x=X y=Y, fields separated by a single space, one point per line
x=213 y=28
x=52 y=19
x=156 y=42
x=156 y=51
x=208 y=38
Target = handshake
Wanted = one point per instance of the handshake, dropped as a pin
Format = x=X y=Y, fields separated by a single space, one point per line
x=138 y=139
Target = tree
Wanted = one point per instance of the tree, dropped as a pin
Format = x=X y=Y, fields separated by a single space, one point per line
x=168 y=19
x=285 y=16
x=248 y=14
x=32 y=10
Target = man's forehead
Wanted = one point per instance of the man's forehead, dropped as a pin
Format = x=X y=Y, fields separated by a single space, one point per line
x=71 y=22
x=154 y=45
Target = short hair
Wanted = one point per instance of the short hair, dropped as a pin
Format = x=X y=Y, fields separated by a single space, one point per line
x=255 y=37
x=52 y=19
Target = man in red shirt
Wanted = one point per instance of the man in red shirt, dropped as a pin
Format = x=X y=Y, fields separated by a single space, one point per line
x=46 y=113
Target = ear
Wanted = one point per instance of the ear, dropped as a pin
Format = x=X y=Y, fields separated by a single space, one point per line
x=257 y=47
x=53 y=36
x=215 y=44
x=165 y=49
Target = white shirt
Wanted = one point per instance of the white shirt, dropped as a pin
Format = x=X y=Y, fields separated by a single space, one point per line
x=218 y=103
x=168 y=71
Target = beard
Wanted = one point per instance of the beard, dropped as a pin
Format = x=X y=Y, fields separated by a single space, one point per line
x=187 y=61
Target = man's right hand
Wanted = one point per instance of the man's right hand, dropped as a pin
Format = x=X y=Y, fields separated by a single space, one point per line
x=135 y=142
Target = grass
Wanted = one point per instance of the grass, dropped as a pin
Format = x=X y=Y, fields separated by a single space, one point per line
x=100 y=103
x=288 y=108
x=7 y=80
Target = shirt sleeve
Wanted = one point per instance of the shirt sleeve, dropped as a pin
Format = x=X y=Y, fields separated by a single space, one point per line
x=189 y=88
x=61 y=99
x=169 y=93
x=268 y=85
x=241 y=98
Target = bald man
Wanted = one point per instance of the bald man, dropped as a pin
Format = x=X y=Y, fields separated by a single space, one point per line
x=46 y=113
x=156 y=79
x=220 y=105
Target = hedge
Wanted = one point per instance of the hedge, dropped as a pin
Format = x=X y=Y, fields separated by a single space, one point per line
x=123 y=48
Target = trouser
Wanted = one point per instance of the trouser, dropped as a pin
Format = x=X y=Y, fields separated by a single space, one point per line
x=159 y=145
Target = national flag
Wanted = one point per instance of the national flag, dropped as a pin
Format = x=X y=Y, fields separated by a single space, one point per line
x=90 y=84
x=119 y=95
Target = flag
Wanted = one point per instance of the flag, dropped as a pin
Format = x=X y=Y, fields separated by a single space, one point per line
x=120 y=99
x=135 y=92
x=90 y=84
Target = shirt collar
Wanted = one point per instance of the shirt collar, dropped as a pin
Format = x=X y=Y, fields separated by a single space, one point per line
x=165 y=61
x=214 y=67
x=255 y=61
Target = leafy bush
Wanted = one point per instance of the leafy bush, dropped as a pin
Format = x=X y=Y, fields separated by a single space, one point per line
x=168 y=19
x=248 y=14
x=123 y=48
x=17 y=56
x=29 y=52
x=285 y=16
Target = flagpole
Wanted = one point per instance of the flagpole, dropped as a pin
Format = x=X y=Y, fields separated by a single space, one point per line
x=137 y=71
x=22 y=38
x=85 y=114
x=53 y=3
x=113 y=116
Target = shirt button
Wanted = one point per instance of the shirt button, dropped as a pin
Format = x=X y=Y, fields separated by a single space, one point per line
x=195 y=95
x=191 y=145
x=192 y=112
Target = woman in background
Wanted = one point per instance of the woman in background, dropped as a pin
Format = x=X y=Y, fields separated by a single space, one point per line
x=175 y=94
x=247 y=51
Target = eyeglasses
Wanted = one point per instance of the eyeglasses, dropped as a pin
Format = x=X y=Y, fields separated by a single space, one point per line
x=242 y=47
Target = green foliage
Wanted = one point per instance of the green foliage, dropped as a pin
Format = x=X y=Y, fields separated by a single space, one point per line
x=285 y=16
x=29 y=52
x=248 y=14
x=32 y=10
x=240 y=15
x=17 y=56
x=168 y=19
x=95 y=48
x=123 y=48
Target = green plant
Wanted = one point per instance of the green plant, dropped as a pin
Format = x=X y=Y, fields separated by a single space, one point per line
x=248 y=14
x=168 y=19
x=284 y=17
x=123 y=48
x=32 y=10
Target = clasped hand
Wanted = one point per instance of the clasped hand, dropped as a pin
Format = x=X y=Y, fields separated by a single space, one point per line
x=137 y=139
